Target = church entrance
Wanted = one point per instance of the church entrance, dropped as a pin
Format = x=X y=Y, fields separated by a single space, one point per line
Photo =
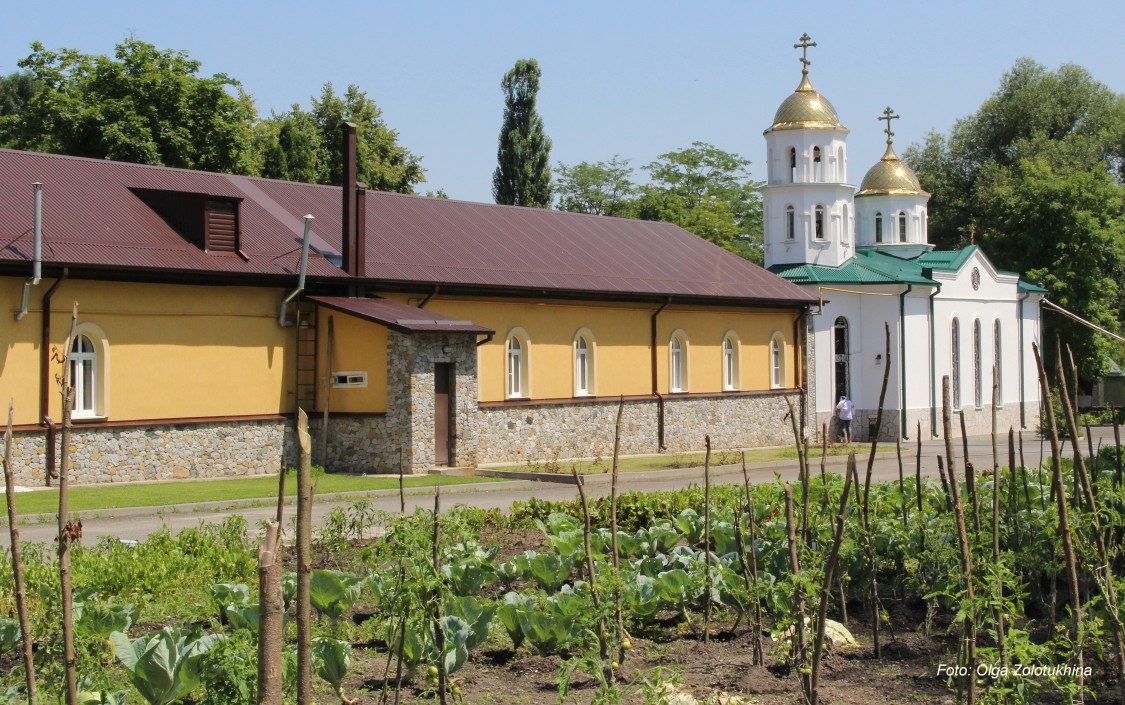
x=841 y=345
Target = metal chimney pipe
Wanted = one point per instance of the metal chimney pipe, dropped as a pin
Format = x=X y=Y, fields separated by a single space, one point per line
x=349 y=177
x=360 y=229
x=37 y=253
x=281 y=319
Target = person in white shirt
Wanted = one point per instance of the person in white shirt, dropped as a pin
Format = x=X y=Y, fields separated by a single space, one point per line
x=845 y=410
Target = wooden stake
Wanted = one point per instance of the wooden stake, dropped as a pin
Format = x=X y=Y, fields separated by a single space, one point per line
x=439 y=629
x=966 y=558
x=619 y=613
x=270 y=613
x=1000 y=641
x=603 y=642
x=304 y=561
x=707 y=536
x=71 y=673
x=17 y=561
x=757 y=656
x=795 y=566
x=826 y=585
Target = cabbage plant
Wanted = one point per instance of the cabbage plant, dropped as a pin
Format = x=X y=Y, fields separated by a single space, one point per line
x=165 y=664
x=333 y=592
x=477 y=616
x=549 y=570
x=331 y=660
x=509 y=613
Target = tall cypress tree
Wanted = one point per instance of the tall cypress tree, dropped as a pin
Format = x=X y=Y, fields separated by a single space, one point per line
x=523 y=170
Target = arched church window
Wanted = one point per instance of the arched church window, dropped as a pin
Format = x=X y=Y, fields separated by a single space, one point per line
x=841 y=167
x=902 y=226
x=878 y=228
x=955 y=362
x=845 y=230
x=818 y=165
x=840 y=361
x=818 y=224
x=792 y=165
x=790 y=223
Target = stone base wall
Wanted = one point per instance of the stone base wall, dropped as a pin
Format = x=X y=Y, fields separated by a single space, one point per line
x=977 y=422
x=166 y=452
x=861 y=425
x=545 y=433
x=358 y=444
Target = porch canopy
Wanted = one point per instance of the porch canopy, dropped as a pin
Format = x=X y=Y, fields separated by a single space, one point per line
x=399 y=316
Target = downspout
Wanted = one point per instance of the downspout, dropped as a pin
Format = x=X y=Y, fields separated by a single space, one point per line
x=655 y=385
x=45 y=373
x=928 y=273
x=1023 y=401
x=37 y=257
x=432 y=294
x=902 y=358
x=800 y=372
x=281 y=319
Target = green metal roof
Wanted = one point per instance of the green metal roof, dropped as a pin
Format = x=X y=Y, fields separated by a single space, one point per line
x=950 y=260
x=1031 y=287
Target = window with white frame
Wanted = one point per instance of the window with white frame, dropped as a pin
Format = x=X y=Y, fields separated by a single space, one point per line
x=792 y=165
x=878 y=227
x=730 y=362
x=818 y=165
x=902 y=226
x=818 y=223
x=790 y=223
x=677 y=363
x=583 y=367
x=84 y=376
x=517 y=353
x=777 y=362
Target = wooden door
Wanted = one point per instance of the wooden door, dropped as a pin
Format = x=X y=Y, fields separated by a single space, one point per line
x=443 y=413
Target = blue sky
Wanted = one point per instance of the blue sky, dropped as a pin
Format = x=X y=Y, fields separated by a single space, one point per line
x=631 y=78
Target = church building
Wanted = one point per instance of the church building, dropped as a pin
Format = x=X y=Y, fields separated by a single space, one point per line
x=864 y=254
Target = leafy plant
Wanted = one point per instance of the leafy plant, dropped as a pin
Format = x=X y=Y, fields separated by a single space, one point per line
x=165 y=664
x=457 y=635
x=331 y=660
x=509 y=613
x=333 y=592
x=476 y=615
x=469 y=575
x=548 y=632
x=9 y=634
x=244 y=616
x=93 y=618
x=223 y=594
x=549 y=570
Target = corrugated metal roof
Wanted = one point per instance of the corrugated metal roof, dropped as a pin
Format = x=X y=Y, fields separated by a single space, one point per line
x=91 y=218
x=399 y=316
x=867 y=267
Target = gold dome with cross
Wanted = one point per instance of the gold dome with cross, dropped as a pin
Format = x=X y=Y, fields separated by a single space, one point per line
x=806 y=109
x=890 y=176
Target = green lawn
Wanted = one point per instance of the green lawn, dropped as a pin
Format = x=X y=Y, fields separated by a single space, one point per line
x=243 y=488
x=673 y=461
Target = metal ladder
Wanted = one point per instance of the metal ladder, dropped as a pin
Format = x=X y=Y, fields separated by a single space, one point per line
x=307 y=339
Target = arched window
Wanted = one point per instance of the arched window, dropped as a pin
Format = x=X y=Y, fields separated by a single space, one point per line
x=955 y=363
x=790 y=223
x=844 y=224
x=84 y=376
x=841 y=167
x=818 y=223
x=902 y=226
x=841 y=350
x=818 y=165
x=978 y=373
x=583 y=364
x=878 y=227
x=518 y=348
x=677 y=362
x=730 y=362
x=777 y=361
x=792 y=165
x=997 y=362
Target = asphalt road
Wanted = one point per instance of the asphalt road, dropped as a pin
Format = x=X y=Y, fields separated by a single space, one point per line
x=138 y=523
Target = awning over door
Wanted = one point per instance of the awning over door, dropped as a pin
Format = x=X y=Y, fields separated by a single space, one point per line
x=399 y=316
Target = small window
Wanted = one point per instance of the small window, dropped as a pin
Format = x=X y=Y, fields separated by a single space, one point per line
x=517 y=367
x=84 y=377
x=730 y=363
x=841 y=166
x=902 y=226
x=818 y=224
x=955 y=363
x=777 y=362
x=818 y=165
x=583 y=364
x=677 y=362
x=842 y=356
x=356 y=380
x=790 y=223
x=845 y=225
x=792 y=165
x=878 y=227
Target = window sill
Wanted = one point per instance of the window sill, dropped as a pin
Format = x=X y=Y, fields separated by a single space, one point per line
x=87 y=419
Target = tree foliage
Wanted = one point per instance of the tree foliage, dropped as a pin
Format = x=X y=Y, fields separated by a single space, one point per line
x=16 y=89
x=601 y=188
x=523 y=170
x=1035 y=176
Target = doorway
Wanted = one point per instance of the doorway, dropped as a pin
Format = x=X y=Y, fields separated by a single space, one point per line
x=444 y=404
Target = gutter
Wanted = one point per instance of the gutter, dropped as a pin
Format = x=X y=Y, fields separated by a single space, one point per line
x=655 y=386
x=45 y=374
x=800 y=371
x=902 y=359
x=1023 y=400
x=432 y=294
x=37 y=257
x=281 y=318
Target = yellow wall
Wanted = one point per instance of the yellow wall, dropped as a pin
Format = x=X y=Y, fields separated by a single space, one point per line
x=175 y=351
x=357 y=346
x=621 y=336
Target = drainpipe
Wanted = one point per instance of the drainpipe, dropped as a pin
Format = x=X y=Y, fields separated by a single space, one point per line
x=45 y=373
x=37 y=257
x=281 y=320
x=928 y=273
x=800 y=373
x=1023 y=402
x=902 y=358
x=429 y=296
x=655 y=386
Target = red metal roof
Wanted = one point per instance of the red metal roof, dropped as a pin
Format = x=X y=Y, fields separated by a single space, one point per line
x=91 y=218
x=399 y=316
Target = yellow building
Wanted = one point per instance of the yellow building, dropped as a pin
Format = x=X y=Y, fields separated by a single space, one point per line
x=427 y=332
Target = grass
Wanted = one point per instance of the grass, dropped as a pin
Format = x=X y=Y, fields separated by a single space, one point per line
x=684 y=460
x=167 y=493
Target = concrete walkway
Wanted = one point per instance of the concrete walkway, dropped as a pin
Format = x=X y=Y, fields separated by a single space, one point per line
x=137 y=523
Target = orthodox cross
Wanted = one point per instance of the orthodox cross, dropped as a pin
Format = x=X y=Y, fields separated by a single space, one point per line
x=804 y=47
x=889 y=115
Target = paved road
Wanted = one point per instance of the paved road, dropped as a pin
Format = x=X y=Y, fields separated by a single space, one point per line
x=140 y=522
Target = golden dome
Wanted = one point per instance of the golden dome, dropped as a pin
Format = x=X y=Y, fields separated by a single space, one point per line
x=806 y=109
x=890 y=177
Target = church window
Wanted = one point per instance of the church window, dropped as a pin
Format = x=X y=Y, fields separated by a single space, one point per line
x=878 y=228
x=792 y=165
x=677 y=359
x=840 y=365
x=790 y=223
x=997 y=361
x=730 y=362
x=818 y=165
x=902 y=226
x=583 y=364
x=978 y=373
x=841 y=167
x=818 y=224
x=777 y=361
x=845 y=224
x=517 y=354
x=955 y=363
x=89 y=368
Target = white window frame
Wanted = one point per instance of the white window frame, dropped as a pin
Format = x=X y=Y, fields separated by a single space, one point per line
x=349 y=379
x=777 y=361
x=678 y=362
x=878 y=227
x=732 y=370
x=92 y=364
x=517 y=380
x=819 y=225
x=790 y=223
x=978 y=365
x=902 y=226
x=584 y=363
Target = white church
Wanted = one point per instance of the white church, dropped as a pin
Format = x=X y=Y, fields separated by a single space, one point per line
x=865 y=253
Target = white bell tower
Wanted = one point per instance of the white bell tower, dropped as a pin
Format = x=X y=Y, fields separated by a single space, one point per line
x=807 y=201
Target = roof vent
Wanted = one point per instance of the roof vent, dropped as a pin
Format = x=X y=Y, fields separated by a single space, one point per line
x=209 y=222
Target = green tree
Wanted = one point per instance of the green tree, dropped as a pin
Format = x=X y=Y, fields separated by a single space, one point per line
x=142 y=105
x=1035 y=176
x=16 y=89
x=601 y=188
x=523 y=170
x=709 y=192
